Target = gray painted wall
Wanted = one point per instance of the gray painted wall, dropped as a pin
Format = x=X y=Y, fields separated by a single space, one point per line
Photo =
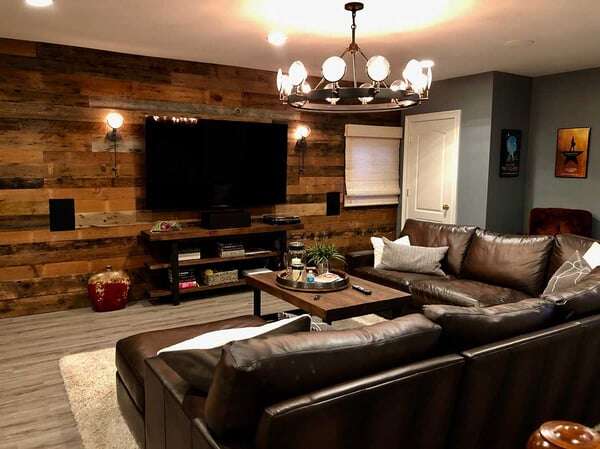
x=506 y=196
x=473 y=96
x=563 y=101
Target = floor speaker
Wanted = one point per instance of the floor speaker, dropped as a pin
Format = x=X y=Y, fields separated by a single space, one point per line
x=62 y=215
x=333 y=203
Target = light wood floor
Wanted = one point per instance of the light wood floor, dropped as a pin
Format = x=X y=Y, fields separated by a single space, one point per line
x=34 y=409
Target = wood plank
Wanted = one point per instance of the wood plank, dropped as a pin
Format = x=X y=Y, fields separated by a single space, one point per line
x=53 y=103
x=18 y=48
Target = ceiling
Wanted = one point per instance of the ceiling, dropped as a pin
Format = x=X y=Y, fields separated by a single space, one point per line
x=461 y=36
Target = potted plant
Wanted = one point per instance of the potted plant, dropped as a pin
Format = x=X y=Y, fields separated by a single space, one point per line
x=321 y=253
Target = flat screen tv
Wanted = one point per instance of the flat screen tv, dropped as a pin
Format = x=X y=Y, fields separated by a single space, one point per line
x=214 y=164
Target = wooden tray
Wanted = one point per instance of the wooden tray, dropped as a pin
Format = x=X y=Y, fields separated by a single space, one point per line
x=314 y=287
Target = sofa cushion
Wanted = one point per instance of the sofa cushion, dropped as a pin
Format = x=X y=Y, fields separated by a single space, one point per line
x=580 y=300
x=516 y=262
x=463 y=292
x=474 y=326
x=132 y=351
x=456 y=238
x=256 y=373
x=419 y=259
x=197 y=366
x=394 y=279
x=565 y=246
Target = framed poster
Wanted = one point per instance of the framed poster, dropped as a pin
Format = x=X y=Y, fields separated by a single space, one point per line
x=510 y=153
x=572 y=152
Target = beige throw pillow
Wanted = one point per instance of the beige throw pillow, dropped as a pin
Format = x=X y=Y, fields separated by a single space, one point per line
x=413 y=259
x=377 y=243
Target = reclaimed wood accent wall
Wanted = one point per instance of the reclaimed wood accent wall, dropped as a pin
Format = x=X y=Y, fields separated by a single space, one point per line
x=53 y=103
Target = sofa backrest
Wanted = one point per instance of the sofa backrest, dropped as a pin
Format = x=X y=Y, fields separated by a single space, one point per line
x=565 y=246
x=512 y=261
x=455 y=237
x=259 y=372
x=511 y=387
x=466 y=327
x=406 y=407
x=587 y=410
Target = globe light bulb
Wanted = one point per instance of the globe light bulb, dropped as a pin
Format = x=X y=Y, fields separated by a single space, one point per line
x=365 y=100
x=398 y=85
x=412 y=71
x=406 y=103
x=378 y=68
x=277 y=38
x=302 y=132
x=305 y=88
x=279 y=80
x=297 y=73
x=286 y=85
x=114 y=120
x=331 y=100
x=333 y=69
x=39 y=3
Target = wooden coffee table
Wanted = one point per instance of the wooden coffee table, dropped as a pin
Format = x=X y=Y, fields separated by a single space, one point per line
x=331 y=306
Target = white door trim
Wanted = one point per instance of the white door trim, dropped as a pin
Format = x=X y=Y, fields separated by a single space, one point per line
x=409 y=121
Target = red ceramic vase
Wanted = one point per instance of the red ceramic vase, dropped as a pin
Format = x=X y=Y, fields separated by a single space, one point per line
x=108 y=290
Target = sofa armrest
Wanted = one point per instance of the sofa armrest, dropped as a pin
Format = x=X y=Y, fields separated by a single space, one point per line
x=168 y=426
x=357 y=259
x=377 y=411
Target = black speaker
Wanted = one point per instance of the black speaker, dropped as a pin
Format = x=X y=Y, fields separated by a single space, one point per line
x=333 y=203
x=232 y=218
x=62 y=214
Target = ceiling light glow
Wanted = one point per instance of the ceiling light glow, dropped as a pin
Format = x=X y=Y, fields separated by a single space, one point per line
x=277 y=38
x=39 y=3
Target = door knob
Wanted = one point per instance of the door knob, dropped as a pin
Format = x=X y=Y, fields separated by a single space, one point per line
x=445 y=207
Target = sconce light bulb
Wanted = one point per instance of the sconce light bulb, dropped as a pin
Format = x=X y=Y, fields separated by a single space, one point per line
x=302 y=132
x=114 y=120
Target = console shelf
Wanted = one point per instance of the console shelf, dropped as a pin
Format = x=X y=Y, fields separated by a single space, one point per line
x=162 y=293
x=166 y=246
x=211 y=261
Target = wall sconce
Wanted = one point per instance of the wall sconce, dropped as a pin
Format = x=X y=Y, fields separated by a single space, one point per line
x=301 y=133
x=114 y=120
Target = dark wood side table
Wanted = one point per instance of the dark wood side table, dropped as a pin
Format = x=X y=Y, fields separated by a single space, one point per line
x=331 y=306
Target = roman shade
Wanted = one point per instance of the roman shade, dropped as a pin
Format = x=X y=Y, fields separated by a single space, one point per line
x=372 y=165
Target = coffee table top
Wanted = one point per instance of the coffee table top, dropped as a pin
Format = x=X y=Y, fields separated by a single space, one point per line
x=337 y=305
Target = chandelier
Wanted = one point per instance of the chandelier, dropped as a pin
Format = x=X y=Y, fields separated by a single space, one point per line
x=329 y=95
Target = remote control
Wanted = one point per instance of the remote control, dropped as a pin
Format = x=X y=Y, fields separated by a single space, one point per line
x=364 y=291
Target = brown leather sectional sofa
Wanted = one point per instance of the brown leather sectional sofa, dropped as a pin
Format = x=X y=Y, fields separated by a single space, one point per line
x=482 y=268
x=467 y=381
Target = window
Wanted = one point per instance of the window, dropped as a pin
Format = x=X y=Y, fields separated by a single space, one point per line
x=372 y=165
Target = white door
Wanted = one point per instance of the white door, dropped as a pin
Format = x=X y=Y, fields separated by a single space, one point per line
x=430 y=170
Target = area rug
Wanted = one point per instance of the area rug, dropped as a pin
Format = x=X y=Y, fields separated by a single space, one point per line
x=89 y=379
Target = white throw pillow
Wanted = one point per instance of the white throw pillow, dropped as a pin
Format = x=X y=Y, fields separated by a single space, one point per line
x=592 y=255
x=220 y=338
x=377 y=243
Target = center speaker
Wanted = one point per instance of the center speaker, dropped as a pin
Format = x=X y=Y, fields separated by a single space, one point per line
x=228 y=218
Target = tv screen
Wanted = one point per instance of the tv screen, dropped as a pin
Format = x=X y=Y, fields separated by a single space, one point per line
x=213 y=163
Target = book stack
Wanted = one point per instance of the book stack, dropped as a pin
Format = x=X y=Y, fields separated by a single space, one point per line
x=192 y=254
x=230 y=250
x=187 y=279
